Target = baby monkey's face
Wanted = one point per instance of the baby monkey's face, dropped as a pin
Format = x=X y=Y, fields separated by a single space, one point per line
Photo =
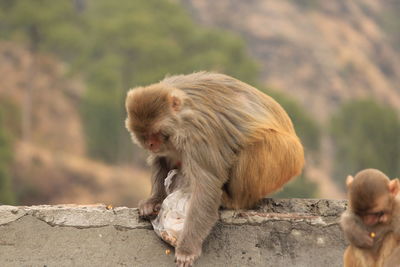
x=380 y=212
x=371 y=196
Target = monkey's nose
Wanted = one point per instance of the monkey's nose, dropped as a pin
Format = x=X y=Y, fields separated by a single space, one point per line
x=150 y=145
x=153 y=147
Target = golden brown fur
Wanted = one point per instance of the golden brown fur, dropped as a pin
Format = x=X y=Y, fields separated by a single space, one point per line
x=387 y=254
x=232 y=143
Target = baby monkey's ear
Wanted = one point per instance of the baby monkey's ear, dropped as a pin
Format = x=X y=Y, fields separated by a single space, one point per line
x=394 y=186
x=349 y=180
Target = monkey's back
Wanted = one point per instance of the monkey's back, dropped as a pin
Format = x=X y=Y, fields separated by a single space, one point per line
x=247 y=132
x=231 y=103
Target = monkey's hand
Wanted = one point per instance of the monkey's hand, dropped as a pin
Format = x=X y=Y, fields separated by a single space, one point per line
x=185 y=258
x=355 y=230
x=149 y=208
x=362 y=240
x=359 y=237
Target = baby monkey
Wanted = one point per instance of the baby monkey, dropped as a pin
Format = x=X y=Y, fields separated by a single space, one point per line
x=372 y=221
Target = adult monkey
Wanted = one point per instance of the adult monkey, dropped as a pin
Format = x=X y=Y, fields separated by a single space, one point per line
x=232 y=144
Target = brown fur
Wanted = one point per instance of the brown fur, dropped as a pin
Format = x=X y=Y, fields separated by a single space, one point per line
x=366 y=191
x=368 y=186
x=234 y=144
x=387 y=254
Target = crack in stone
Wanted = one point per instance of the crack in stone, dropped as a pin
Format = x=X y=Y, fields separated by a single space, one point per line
x=312 y=212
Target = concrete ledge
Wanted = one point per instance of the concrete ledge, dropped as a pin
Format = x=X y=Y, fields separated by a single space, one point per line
x=281 y=232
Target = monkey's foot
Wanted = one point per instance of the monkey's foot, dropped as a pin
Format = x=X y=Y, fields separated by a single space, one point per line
x=149 y=208
x=185 y=259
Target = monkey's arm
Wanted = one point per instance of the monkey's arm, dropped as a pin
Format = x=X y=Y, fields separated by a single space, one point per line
x=159 y=170
x=206 y=174
x=355 y=231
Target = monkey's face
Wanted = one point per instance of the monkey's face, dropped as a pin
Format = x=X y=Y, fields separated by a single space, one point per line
x=152 y=136
x=151 y=118
x=155 y=142
x=380 y=212
x=371 y=195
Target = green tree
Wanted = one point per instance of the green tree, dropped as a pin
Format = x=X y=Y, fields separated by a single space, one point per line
x=298 y=188
x=366 y=135
x=116 y=45
x=45 y=25
x=137 y=43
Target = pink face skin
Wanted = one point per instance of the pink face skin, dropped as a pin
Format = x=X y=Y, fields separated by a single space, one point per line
x=372 y=219
x=154 y=142
x=380 y=213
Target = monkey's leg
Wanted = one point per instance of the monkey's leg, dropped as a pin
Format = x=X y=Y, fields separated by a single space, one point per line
x=357 y=257
x=389 y=253
x=263 y=167
x=150 y=207
x=394 y=259
x=351 y=258
x=348 y=257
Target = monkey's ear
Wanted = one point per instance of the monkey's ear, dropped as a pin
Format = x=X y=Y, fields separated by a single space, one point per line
x=349 y=180
x=176 y=100
x=129 y=102
x=176 y=103
x=394 y=186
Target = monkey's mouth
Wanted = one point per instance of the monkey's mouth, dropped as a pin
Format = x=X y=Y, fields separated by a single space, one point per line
x=159 y=151
x=155 y=150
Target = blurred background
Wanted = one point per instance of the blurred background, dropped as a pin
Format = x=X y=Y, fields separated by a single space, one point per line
x=65 y=67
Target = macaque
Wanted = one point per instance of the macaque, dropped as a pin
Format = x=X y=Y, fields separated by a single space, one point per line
x=231 y=143
x=372 y=221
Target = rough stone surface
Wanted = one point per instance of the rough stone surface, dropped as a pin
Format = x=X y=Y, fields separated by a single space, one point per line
x=281 y=232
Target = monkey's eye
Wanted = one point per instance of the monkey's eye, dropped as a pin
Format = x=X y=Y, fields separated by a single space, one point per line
x=164 y=136
x=375 y=214
x=142 y=137
x=378 y=214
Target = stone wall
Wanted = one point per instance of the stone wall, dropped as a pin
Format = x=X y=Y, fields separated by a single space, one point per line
x=280 y=232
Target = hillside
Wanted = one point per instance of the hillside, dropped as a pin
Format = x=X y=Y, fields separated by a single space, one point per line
x=320 y=52
x=50 y=163
x=47 y=101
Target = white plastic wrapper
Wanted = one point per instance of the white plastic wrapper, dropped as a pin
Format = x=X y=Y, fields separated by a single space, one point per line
x=169 y=222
